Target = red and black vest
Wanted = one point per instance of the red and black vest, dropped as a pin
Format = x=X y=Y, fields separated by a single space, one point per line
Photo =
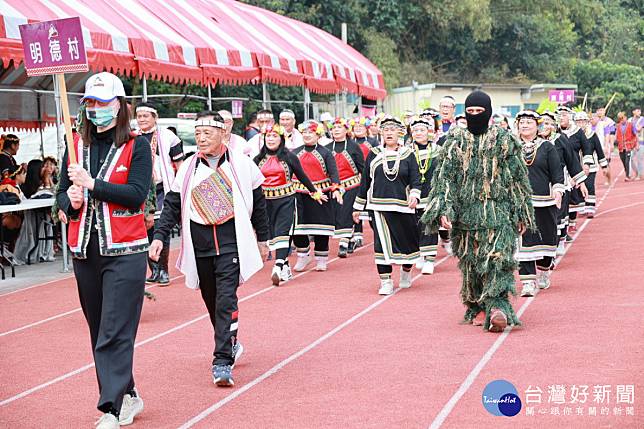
x=121 y=230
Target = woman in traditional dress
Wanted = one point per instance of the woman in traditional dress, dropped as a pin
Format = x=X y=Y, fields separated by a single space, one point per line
x=538 y=248
x=350 y=161
x=278 y=166
x=313 y=219
x=425 y=150
x=390 y=192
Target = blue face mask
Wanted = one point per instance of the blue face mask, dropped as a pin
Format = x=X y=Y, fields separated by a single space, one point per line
x=101 y=116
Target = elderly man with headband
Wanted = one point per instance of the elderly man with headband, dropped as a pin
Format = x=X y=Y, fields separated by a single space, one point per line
x=292 y=135
x=217 y=196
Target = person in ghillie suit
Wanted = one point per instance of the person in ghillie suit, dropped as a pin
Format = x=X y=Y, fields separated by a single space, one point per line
x=482 y=193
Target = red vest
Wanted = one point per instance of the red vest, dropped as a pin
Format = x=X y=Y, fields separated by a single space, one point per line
x=626 y=141
x=121 y=229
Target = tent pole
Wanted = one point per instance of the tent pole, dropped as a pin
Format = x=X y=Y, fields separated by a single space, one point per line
x=209 y=96
x=265 y=95
x=42 y=143
x=145 y=89
x=337 y=105
x=61 y=151
x=307 y=103
x=344 y=32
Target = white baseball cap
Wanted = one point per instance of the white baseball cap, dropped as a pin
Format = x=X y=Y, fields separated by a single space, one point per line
x=103 y=87
x=326 y=117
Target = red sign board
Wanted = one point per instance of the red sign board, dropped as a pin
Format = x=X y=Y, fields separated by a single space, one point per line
x=54 y=47
x=561 y=95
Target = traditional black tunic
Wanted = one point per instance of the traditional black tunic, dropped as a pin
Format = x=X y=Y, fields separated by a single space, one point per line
x=583 y=150
x=426 y=159
x=385 y=196
x=350 y=163
x=314 y=218
x=546 y=177
x=599 y=160
x=279 y=191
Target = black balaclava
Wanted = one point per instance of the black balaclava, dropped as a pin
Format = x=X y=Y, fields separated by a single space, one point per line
x=477 y=124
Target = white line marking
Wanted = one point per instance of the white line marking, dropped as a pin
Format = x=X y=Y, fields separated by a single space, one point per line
x=619 y=208
x=205 y=413
x=140 y=343
x=471 y=377
x=67 y=313
x=35 y=286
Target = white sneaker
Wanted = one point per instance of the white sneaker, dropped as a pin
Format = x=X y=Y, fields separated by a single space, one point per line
x=275 y=275
x=405 y=279
x=428 y=268
x=386 y=287
x=447 y=245
x=108 y=421
x=543 y=279
x=321 y=263
x=529 y=288
x=286 y=273
x=303 y=259
x=132 y=405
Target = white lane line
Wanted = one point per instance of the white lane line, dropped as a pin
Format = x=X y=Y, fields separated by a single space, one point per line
x=35 y=286
x=58 y=316
x=70 y=276
x=76 y=310
x=143 y=342
x=619 y=208
x=471 y=377
x=208 y=411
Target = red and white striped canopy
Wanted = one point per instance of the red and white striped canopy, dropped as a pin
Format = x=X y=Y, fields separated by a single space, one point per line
x=201 y=41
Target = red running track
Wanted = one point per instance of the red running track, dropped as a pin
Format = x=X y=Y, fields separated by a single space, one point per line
x=325 y=350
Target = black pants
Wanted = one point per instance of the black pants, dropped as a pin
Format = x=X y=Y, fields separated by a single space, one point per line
x=218 y=282
x=388 y=269
x=625 y=156
x=321 y=243
x=527 y=268
x=444 y=234
x=110 y=289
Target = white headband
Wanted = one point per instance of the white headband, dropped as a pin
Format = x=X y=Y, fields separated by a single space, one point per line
x=265 y=116
x=146 y=109
x=448 y=99
x=209 y=123
x=225 y=114
x=289 y=115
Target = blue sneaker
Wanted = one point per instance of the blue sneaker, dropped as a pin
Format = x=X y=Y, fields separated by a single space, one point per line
x=222 y=375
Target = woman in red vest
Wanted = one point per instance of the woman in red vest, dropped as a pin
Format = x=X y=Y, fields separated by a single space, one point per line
x=626 y=136
x=103 y=196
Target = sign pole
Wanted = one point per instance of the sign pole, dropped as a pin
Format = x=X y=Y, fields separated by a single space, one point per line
x=62 y=88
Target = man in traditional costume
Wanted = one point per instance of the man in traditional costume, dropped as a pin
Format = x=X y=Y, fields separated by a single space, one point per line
x=217 y=196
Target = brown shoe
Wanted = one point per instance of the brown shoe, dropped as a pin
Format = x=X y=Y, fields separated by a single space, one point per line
x=479 y=319
x=498 y=321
